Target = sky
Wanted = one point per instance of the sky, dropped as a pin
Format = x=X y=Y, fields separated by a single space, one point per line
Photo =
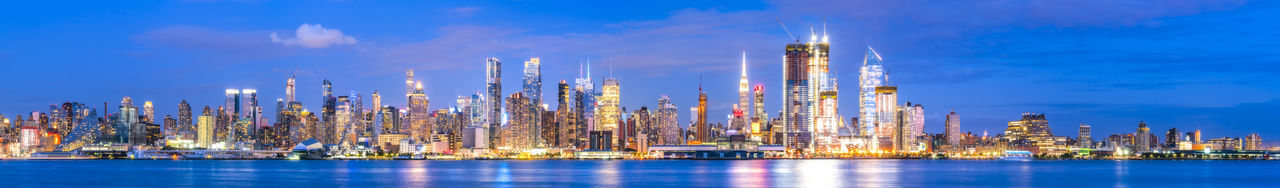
x=1208 y=65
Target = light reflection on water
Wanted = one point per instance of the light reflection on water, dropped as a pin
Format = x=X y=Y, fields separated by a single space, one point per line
x=676 y=173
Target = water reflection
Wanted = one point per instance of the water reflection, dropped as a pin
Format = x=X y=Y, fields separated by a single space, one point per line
x=875 y=173
x=607 y=173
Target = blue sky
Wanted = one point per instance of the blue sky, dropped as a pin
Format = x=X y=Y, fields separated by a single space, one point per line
x=1210 y=65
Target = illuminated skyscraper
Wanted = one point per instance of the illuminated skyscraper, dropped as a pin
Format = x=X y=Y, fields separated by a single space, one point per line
x=872 y=75
x=1142 y=138
x=797 y=100
x=1085 y=138
x=290 y=87
x=251 y=110
x=703 y=130
x=887 y=123
x=408 y=85
x=610 y=110
x=419 y=112
x=184 y=117
x=493 y=81
x=953 y=128
x=524 y=133
x=668 y=123
x=912 y=123
x=585 y=100
x=1253 y=142
x=232 y=107
x=760 y=118
x=205 y=135
x=148 y=112
x=533 y=81
x=742 y=113
x=566 y=117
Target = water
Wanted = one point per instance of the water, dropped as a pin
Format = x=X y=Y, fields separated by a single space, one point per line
x=675 y=173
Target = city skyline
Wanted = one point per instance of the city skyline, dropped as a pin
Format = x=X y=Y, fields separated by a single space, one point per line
x=199 y=72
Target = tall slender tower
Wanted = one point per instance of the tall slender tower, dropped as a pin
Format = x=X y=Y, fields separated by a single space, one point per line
x=233 y=103
x=703 y=129
x=953 y=128
x=493 y=79
x=610 y=111
x=184 y=117
x=1085 y=137
x=887 y=118
x=148 y=112
x=744 y=101
x=408 y=84
x=533 y=81
x=289 y=88
x=760 y=117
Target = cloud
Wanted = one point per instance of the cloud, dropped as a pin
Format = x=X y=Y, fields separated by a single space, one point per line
x=314 y=36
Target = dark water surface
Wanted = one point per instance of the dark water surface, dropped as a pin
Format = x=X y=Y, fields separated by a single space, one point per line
x=676 y=173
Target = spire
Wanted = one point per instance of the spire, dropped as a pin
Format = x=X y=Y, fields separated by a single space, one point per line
x=699 y=83
x=588 y=68
x=744 y=63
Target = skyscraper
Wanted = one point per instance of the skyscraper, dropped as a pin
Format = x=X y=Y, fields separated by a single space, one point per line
x=205 y=135
x=290 y=87
x=1253 y=142
x=1142 y=138
x=796 y=109
x=233 y=103
x=668 y=123
x=493 y=80
x=533 y=81
x=760 y=117
x=419 y=112
x=703 y=130
x=408 y=85
x=1085 y=138
x=184 y=117
x=744 y=102
x=566 y=118
x=953 y=128
x=872 y=75
x=887 y=123
x=148 y=112
x=912 y=127
x=610 y=110
x=251 y=110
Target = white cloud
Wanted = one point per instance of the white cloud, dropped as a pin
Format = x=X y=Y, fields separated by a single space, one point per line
x=314 y=36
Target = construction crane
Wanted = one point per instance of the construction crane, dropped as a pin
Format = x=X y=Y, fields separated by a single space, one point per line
x=784 y=28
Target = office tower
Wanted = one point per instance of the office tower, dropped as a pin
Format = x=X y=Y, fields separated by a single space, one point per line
x=184 y=117
x=744 y=101
x=533 y=81
x=666 y=120
x=148 y=112
x=233 y=104
x=1196 y=137
x=290 y=87
x=204 y=133
x=759 y=118
x=324 y=129
x=342 y=122
x=419 y=112
x=827 y=122
x=887 y=122
x=585 y=105
x=251 y=111
x=567 y=119
x=377 y=100
x=1085 y=138
x=823 y=114
x=1030 y=127
x=390 y=120
x=1253 y=142
x=609 y=111
x=1142 y=138
x=872 y=75
x=1171 y=138
x=126 y=123
x=953 y=128
x=796 y=104
x=170 y=125
x=493 y=81
x=642 y=131
x=478 y=113
x=703 y=131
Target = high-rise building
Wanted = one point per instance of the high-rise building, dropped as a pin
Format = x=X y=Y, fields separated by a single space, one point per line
x=205 y=135
x=1171 y=138
x=533 y=81
x=419 y=114
x=759 y=117
x=912 y=127
x=743 y=112
x=796 y=107
x=524 y=132
x=148 y=112
x=887 y=123
x=1030 y=127
x=566 y=118
x=610 y=110
x=170 y=126
x=703 y=131
x=666 y=120
x=290 y=87
x=585 y=106
x=184 y=117
x=233 y=103
x=953 y=128
x=1142 y=137
x=1085 y=138
x=872 y=75
x=409 y=84
x=493 y=81
x=1253 y=142
x=251 y=110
